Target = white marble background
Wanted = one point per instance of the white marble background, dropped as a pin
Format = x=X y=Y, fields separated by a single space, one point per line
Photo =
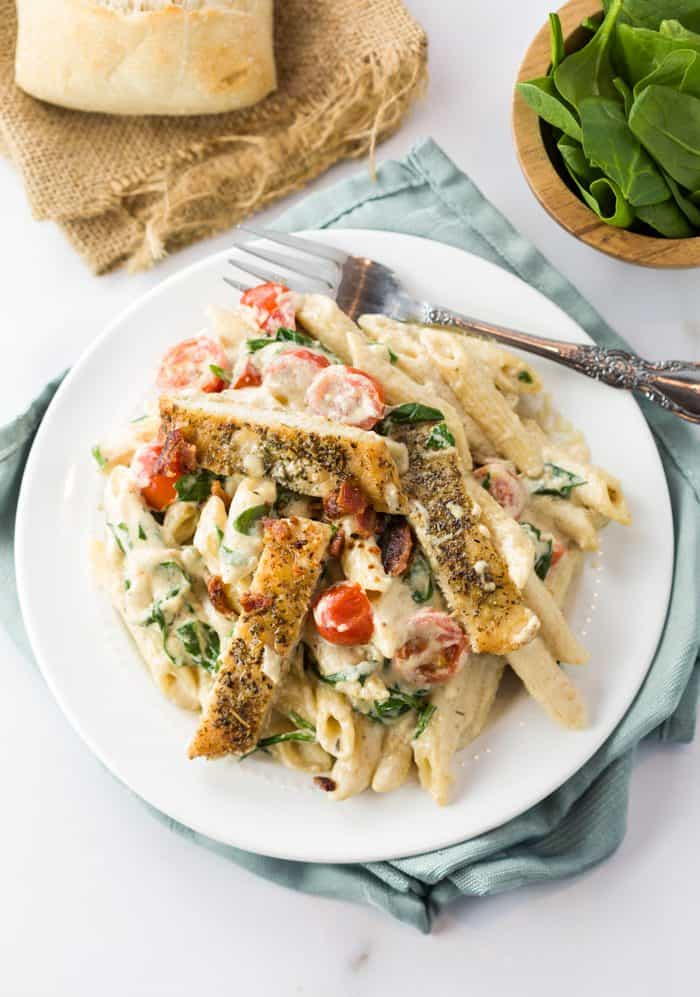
x=99 y=899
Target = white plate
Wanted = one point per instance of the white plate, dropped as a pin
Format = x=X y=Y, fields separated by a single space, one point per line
x=99 y=681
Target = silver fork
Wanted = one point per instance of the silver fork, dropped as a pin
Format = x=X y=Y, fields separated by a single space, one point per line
x=362 y=286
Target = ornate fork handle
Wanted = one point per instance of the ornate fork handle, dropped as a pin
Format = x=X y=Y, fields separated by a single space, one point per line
x=618 y=368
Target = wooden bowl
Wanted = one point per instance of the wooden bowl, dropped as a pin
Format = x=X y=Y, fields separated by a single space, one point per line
x=546 y=176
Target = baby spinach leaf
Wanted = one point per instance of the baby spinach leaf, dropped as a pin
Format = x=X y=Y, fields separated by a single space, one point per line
x=667 y=219
x=588 y=72
x=675 y=30
x=638 y=52
x=679 y=70
x=557 y=481
x=688 y=207
x=425 y=715
x=625 y=92
x=201 y=642
x=610 y=144
x=667 y=123
x=601 y=194
x=556 y=41
x=543 y=549
x=575 y=161
x=541 y=95
x=195 y=487
x=245 y=523
x=650 y=13
x=408 y=413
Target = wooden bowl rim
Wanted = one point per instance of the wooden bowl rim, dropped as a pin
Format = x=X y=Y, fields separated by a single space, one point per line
x=550 y=190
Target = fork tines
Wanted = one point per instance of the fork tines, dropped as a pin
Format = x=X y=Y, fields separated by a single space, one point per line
x=323 y=269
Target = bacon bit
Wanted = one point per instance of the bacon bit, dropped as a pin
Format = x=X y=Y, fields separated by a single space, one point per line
x=337 y=544
x=365 y=522
x=218 y=489
x=219 y=596
x=255 y=602
x=397 y=546
x=347 y=500
x=324 y=783
x=177 y=456
x=277 y=529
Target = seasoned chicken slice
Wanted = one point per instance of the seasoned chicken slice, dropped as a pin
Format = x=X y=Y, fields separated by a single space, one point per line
x=303 y=452
x=471 y=573
x=264 y=638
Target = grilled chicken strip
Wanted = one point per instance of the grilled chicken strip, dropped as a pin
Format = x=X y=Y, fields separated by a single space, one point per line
x=264 y=637
x=303 y=452
x=471 y=574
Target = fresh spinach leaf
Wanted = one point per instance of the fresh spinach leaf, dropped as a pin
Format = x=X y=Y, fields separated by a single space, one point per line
x=291 y=336
x=625 y=92
x=419 y=578
x=202 y=644
x=673 y=29
x=688 y=207
x=541 y=95
x=602 y=195
x=247 y=520
x=667 y=123
x=589 y=72
x=609 y=144
x=220 y=372
x=667 y=219
x=575 y=161
x=639 y=51
x=557 y=481
x=556 y=41
x=425 y=715
x=408 y=414
x=195 y=487
x=650 y=13
x=440 y=438
x=679 y=70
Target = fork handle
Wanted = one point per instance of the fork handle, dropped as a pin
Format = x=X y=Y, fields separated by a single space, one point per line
x=618 y=368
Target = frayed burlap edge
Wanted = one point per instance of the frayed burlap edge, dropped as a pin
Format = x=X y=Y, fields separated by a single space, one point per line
x=212 y=186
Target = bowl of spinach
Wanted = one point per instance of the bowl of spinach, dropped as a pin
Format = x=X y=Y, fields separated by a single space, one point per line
x=606 y=119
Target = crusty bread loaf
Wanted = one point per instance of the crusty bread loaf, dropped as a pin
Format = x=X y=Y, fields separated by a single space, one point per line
x=146 y=56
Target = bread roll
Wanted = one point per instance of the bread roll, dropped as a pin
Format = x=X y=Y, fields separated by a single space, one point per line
x=146 y=56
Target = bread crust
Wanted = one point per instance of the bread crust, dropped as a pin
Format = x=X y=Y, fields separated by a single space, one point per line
x=85 y=55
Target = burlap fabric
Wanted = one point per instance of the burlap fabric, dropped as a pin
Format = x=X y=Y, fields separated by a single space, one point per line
x=128 y=189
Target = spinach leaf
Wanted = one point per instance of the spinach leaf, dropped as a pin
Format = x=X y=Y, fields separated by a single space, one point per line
x=156 y=617
x=525 y=376
x=419 y=578
x=674 y=29
x=247 y=520
x=253 y=345
x=195 y=487
x=303 y=731
x=556 y=41
x=407 y=414
x=202 y=644
x=220 y=372
x=602 y=195
x=397 y=704
x=425 y=715
x=543 y=550
x=557 y=481
x=650 y=13
x=679 y=70
x=291 y=336
x=541 y=95
x=120 y=532
x=667 y=123
x=609 y=143
x=638 y=52
x=667 y=219
x=625 y=92
x=98 y=455
x=392 y=356
x=589 y=72
x=688 y=207
x=440 y=438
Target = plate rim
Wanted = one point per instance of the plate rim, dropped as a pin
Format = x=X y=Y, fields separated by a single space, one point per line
x=32 y=467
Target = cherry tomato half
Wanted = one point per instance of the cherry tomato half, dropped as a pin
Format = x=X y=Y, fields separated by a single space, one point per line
x=188 y=365
x=290 y=374
x=504 y=486
x=435 y=649
x=344 y=394
x=343 y=614
x=273 y=305
x=249 y=376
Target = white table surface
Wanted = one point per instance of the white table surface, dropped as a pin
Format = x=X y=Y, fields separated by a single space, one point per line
x=98 y=898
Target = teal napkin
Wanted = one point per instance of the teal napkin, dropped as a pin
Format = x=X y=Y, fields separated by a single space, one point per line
x=583 y=821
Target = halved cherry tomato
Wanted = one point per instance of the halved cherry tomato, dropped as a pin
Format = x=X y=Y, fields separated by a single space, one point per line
x=343 y=614
x=188 y=365
x=273 y=305
x=290 y=374
x=249 y=376
x=344 y=394
x=503 y=484
x=558 y=551
x=160 y=492
x=435 y=649
x=157 y=483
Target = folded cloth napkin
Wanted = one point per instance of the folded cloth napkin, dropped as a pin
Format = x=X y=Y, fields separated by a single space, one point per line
x=583 y=821
x=133 y=188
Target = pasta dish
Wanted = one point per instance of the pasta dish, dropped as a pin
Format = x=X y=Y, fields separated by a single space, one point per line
x=330 y=540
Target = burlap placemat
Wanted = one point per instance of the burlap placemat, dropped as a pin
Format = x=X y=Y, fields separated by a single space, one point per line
x=132 y=189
